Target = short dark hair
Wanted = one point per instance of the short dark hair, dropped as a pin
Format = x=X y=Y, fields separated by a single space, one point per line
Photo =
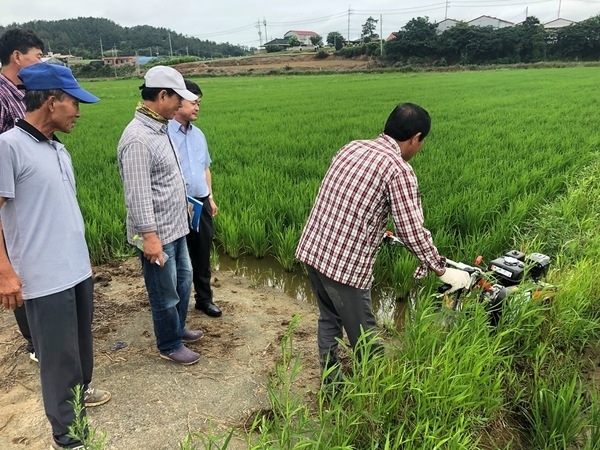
x=406 y=120
x=192 y=87
x=35 y=99
x=18 y=39
x=150 y=94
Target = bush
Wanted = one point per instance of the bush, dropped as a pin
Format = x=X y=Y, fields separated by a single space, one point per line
x=321 y=54
x=273 y=48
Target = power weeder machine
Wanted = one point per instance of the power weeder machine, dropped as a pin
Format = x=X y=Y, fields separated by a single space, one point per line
x=494 y=282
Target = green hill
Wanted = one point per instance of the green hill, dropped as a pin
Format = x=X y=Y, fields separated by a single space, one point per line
x=88 y=36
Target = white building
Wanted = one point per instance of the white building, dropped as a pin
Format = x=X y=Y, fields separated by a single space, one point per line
x=445 y=24
x=558 y=23
x=489 y=21
x=303 y=36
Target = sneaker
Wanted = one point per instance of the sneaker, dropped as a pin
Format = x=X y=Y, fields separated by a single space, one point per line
x=95 y=397
x=189 y=336
x=33 y=357
x=183 y=356
x=56 y=446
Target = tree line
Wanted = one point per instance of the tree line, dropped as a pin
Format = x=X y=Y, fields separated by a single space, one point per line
x=421 y=42
x=527 y=42
x=88 y=37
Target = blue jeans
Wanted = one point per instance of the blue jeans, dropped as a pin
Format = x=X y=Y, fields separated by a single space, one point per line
x=169 y=290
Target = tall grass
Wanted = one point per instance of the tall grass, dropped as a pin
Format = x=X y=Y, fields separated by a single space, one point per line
x=460 y=383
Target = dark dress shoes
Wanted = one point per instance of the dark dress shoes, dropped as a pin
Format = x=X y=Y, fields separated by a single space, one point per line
x=209 y=308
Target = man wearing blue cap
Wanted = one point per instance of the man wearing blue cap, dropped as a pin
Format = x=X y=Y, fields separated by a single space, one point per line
x=45 y=260
x=18 y=48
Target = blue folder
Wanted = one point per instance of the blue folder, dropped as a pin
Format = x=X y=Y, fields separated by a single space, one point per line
x=194 y=211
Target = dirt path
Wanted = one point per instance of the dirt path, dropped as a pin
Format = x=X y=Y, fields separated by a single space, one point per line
x=299 y=62
x=156 y=403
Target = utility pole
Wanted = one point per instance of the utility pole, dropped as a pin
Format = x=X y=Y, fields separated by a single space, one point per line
x=349 y=12
x=101 y=49
x=381 y=34
x=259 y=32
x=265 y=24
x=187 y=52
x=559 y=5
x=170 y=47
x=446 y=15
x=137 y=64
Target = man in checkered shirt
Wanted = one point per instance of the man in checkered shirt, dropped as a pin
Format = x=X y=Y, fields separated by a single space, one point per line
x=367 y=181
x=156 y=201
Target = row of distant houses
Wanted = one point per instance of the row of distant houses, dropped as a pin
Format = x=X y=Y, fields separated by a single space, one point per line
x=58 y=58
x=489 y=21
x=481 y=21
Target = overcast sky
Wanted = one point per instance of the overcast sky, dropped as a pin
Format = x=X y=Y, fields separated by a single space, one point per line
x=236 y=21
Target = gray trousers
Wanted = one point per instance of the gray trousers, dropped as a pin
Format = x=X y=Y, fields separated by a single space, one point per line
x=21 y=317
x=61 y=328
x=341 y=307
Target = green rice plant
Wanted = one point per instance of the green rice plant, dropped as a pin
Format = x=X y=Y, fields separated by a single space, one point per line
x=284 y=246
x=229 y=235
x=214 y=257
x=521 y=326
x=254 y=231
x=573 y=318
x=592 y=433
x=556 y=414
x=401 y=276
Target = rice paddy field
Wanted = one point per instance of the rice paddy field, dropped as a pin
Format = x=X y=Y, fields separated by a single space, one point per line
x=511 y=162
x=502 y=143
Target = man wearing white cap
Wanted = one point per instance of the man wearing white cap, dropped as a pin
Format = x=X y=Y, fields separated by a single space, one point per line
x=46 y=259
x=156 y=201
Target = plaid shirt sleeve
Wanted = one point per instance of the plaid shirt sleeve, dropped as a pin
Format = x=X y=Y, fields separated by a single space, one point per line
x=135 y=164
x=12 y=105
x=407 y=212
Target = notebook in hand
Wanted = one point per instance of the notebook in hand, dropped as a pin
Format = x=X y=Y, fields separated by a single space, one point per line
x=194 y=211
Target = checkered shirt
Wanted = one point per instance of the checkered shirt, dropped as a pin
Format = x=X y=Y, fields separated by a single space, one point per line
x=367 y=182
x=153 y=182
x=12 y=105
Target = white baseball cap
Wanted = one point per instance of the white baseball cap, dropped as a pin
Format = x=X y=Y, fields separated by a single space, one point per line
x=165 y=77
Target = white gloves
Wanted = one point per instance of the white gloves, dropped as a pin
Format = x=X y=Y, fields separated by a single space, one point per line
x=458 y=279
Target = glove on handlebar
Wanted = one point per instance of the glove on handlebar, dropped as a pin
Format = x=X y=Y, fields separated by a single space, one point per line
x=458 y=279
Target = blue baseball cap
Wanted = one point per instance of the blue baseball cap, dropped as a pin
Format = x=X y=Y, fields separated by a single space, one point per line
x=43 y=77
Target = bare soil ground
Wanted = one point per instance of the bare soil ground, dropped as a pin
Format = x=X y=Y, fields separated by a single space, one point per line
x=155 y=403
x=260 y=64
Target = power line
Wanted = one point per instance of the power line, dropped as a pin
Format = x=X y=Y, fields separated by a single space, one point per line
x=319 y=19
x=220 y=33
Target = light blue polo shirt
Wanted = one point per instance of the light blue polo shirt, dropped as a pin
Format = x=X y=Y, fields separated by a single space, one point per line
x=194 y=157
x=42 y=222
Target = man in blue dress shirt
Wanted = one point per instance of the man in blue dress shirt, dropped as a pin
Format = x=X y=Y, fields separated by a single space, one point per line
x=195 y=162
